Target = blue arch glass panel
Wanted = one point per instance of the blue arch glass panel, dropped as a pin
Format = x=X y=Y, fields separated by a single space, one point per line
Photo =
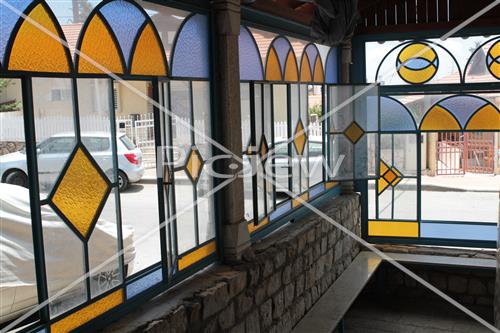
x=394 y=116
x=191 y=52
x=282 y=46
x=331 y=67
x=312 y=53
x=8 y=20
x=462 y=107
x=250 y=62
x=125 y=20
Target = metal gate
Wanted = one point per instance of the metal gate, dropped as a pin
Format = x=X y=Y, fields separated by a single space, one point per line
x=461 y=152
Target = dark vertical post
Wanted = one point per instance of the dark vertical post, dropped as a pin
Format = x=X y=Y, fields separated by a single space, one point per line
x=36 y=218
x=234 y=235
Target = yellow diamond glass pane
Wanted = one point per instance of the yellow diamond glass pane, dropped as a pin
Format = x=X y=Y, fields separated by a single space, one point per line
x=291 y=73
x=488 y=118
x=273 y=71
x=193 y=165
x=390 y=176
x=300 y=138
x=197 y=255
x=439 y=119
x=80 y=193
x=417 y=50
x=35 y=50
x=383 y=167
x=148 y=57
x=100 y=47
x=382 y=185
x=305 y=71
x=318 y=71
x=263 y=147
x=354 y=132
x=396 y=181
x=88 y=313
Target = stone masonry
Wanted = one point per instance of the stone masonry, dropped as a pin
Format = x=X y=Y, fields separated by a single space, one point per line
x=269 y=290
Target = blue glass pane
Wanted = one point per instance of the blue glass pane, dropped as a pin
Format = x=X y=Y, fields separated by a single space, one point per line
x=312 y=53
x=394 y=116
x=250 y=62
x=281 y=210
x=316 y=190
x=144 y=283
x=331 y=67
x=8 y=19
x=191 y=52
x=480 y=232
x=281 y=45
x=462 y=107
x=125 y=20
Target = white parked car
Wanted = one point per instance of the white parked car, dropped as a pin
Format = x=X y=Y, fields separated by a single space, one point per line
x=54 y=151
x=18 y=293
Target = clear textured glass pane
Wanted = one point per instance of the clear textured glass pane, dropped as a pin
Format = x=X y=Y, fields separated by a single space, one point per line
x=54 y=126
x=206 y=219
x=103 y=246
x=201 y=112
x=405 y=200
x=372 y=200
x=94 y=103
x=385 y=204
x=17 y=278
x=340 y=113
x=366 y=156
x=245 y=115
x=136 y=151
x=181 y=120
x=405 y=153
x=341 y=157
x=247 y=187
x=64 y=261
x=281 y=161
x=185 y=217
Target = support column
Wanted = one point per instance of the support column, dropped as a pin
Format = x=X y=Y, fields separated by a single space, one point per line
x=345 y=77
x=234 y=233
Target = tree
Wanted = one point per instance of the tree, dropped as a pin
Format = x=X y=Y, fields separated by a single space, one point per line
x=10 y=105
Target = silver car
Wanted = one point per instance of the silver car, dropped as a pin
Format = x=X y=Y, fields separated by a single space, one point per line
x=54 y=151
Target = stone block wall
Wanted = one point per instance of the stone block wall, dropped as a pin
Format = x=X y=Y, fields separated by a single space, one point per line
x=270 y=290
x=473 y=288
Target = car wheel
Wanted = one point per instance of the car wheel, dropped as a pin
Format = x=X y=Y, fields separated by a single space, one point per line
x=105 y=280
x=17 y=177
x=122 y=181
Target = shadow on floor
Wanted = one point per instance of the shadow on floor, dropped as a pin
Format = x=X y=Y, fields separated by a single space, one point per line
x=370 y=314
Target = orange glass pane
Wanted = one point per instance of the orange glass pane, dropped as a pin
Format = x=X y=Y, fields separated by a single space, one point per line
x=273 y=71
x=439 y=119
x=148 y=56
x=291 y=71
x=100 y=47
x=88 y=313
x=37 y=47
x=487 y=118
x=318 y=71
x=305 y=71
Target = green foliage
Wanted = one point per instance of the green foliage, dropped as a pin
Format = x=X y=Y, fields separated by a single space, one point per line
x=316 y=110
x=11 y=105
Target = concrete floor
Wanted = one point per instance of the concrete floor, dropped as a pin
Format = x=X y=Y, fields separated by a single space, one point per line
x=401 y=315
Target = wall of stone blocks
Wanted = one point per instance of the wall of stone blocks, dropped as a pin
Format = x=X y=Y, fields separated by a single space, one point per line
x=474 y=288
x=270 y=290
